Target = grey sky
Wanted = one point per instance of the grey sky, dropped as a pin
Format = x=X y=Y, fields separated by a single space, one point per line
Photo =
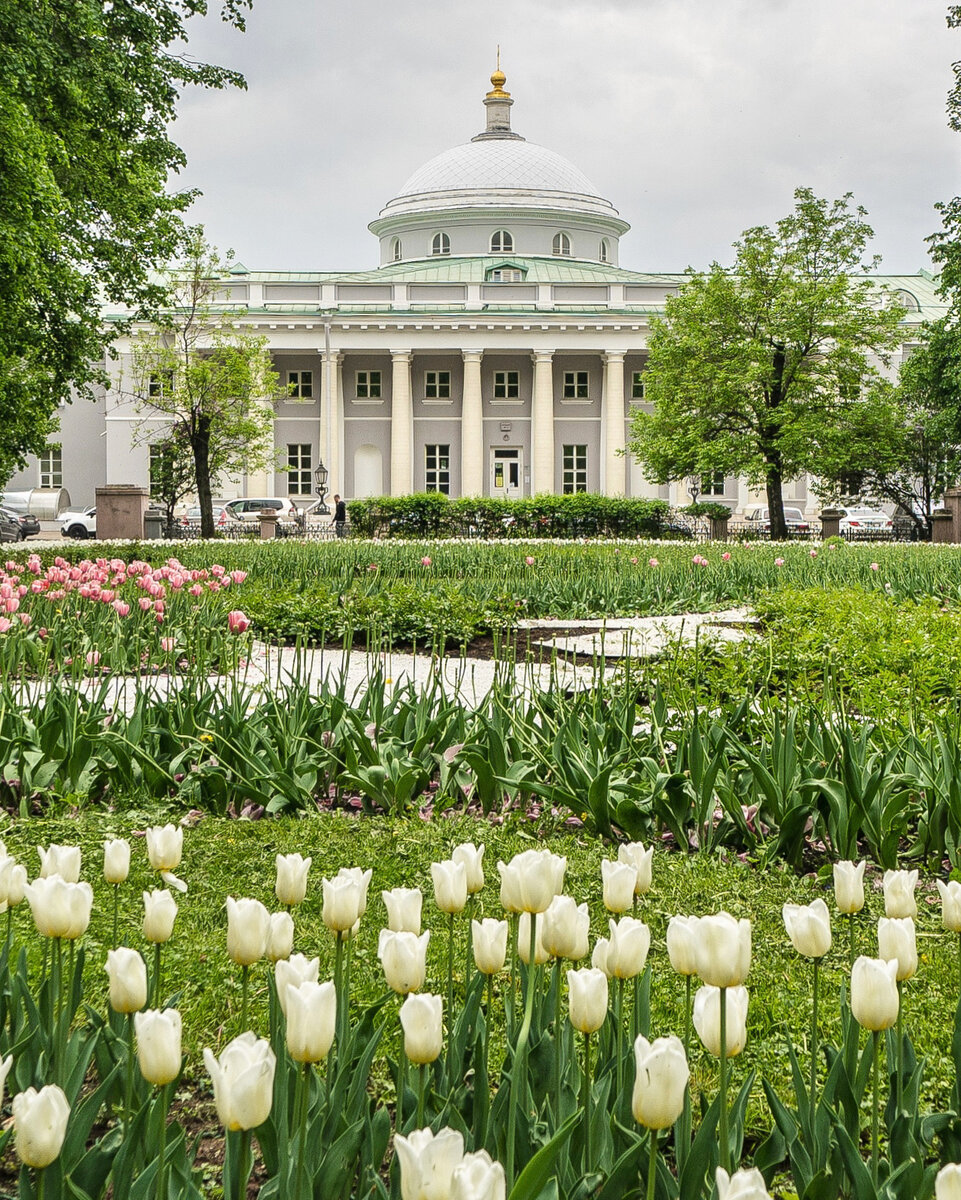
x=696 y=118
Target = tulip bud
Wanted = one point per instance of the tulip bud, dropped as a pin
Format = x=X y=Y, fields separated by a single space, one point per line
x=947 y=1186
x=707 y=1019
x=422 y=1019
x=128 y=980
x=899 y=898
x=13 y=882
x=159 y=912
x=950 y=904
x=587 y=999
x=40 y=1124
x=165 y=846
x=619 y=879
x=529 y=880
x=524 y=941
x=158 y=1045
x=404 y=959
x=343 y=900
x=489 y=939
x=290 y=972
x=682 y=944
x=628 y=947
x=809 y=928
x=403 y=909
x=565 y=928
x=362 y=881
x=723 y=950
x=599 y=957
x=641 y=859
x=897 y=940
x=473 y=859
x=450 y=885
x=427 y=1163
x=116 y=860
x=291 y=885
x=478 y=1177
x=280 y=936
x=742 y=1185
x=849 y=886
x=243 y=1079
x=660 y=1081
x=60 y=860
x=60 y=909
x=874 y=993
x=248 y=924
x=311 y=1018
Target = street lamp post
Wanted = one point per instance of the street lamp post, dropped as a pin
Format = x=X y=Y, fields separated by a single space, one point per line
x=320 y=487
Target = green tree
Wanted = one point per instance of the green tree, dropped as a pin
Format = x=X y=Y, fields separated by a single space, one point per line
x=210 y=379
x=171 y=471
x=87 y=92
x=761 y=370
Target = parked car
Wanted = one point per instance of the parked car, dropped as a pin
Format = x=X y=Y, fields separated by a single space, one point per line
x=29 y=524
x=758 y=517
x=249 y=508
x=78 y=523
x=222 y=516
x=866 y=520
x=10 y=530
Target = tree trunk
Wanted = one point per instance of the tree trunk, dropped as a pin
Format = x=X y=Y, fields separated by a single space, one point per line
x=775 y=505
x=200 y=441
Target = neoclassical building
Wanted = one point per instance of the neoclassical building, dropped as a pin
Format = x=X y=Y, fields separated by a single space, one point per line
x=498 y=348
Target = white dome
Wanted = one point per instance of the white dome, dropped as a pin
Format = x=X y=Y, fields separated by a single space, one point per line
x=496 y=164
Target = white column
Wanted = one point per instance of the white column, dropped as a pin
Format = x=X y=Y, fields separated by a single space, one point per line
x=331 y=419
x=612 y=406
x=542 y=423
x=472 y=428
x=401 y=424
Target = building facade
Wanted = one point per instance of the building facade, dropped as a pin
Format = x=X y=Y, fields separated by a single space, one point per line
x=498 y=349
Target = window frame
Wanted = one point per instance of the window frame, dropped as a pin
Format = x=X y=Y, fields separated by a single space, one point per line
x=300 y=477
x=440 y=244
x=504 y=244
x=50 y=465
x=574 y=382
x=714 y=484
x=573 y=468
x=507 y=385
x=437 y=473
x=160 y=384
x=372 y=388
x=561 y=244
x=604 y=251
x=396 y=250
x=436 y=387
x=637 y=385
x=296 y=384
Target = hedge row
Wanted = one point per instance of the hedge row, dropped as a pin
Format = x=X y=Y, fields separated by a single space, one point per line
x=431 y=514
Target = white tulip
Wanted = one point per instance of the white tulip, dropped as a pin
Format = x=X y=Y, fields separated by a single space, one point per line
x=128 y=980
x=450 y=885
x=13 y=882
x=344 y=899
x=723 y=950
x=280 y=936
x=116 y=860
x=524 y=941
x=947 y=1186
x=849 y=886
x=60 y=909
x=422 y=1019
x=682 y=944
x=165 y=846
x=473 y=859
x=404 y=907
x=158 y=1045
x=529 y=881
x=60 y=860
x=660 y=1081
x=248 y=924
x=899 y=898
x=746 y=1184
x=641 y=858
x=874 y=993
x=427 y=1163
x=897 y=940
x=362 y=880
x=600 y=957
x=478 y=1177
x=628 y=947
x=707 y=1019
x=489 y=939
x=587 y=997
x=809 y=928
x=243 y=1079
x=160 y=910
x=40 y=1125
x=291 y=885
x=565 y=929
x=311 y=1020
x=404 y=959
x=290 y=972
x=950 y=904
x=619 y=880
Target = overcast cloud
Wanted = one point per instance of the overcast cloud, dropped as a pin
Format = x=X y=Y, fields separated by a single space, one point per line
x=696 y=118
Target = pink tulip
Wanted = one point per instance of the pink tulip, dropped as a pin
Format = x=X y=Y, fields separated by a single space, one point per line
x=779 y=562
x=5 y=624
x=25 y=619
x=652 y=562
x=726 y=556
x=529 y=561
x=813 y=553
x=92 y=658
x=196 y=589
x=425 y=561
x=237 y=621
x=120 y=608
x=238 y=576
x=875 y=567
x=167 y=644
x=145 y=604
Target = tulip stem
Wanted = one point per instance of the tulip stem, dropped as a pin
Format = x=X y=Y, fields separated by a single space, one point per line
x=116 y=906
x=959 y=950
x=401 y=1088
x=244 y=1165
x=519 y=1065
x=558 y=1040
x=450 y=992
x=338 y=988
x=814 y=1037
x=851 y=947
x=303 y=1090
x=513 y=920
x=898 y=1085
x=421 y=1089
x=161 y=1165
x=40 y=1182
x=722 y=1134
x=9 y=927
x=128 y=1083
x=652 y=1167
x=688 y=980
x=618 y=1037
x=468 y=956
x=156 y=974
x=876 y=1036
x=586 y=1103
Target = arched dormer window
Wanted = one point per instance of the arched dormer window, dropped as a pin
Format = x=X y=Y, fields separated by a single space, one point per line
x=561 y=244
x=396 y=250
x=440 y=244
x=604 y=251
x=502 y=242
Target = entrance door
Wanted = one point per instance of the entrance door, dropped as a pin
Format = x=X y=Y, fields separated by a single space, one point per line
x=506 y=464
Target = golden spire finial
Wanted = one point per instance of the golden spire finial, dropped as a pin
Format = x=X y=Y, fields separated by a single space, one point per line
x=498 y=79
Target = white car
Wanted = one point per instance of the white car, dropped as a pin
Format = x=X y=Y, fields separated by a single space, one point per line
x=248 y=508
x=78 y=522
x=757 y=515
x=865 y=520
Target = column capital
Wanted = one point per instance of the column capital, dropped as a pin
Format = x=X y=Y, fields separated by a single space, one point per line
x=472 y=355
x=542 y=356
x=401 y=355
x=613 y=356
x=336 y=356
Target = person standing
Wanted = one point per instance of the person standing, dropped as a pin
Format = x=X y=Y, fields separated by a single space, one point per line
x=339 y=519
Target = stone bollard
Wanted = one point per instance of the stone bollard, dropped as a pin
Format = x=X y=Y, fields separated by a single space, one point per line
x=942 y=526
x=268 y=524
x=120 y=511
x=831 y=522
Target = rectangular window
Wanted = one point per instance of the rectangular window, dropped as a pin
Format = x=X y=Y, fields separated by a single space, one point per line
x=507 y=385
x=712 y=485
x=637 y=385
x=574 y=478
x=437 y=469
x=300 y=480
x=160 y=385
x=437 y=385
x=159 y=469
x=300 y=386
x=505 y=275
x=51 y=467
x=575 y=385
x=368 y=385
